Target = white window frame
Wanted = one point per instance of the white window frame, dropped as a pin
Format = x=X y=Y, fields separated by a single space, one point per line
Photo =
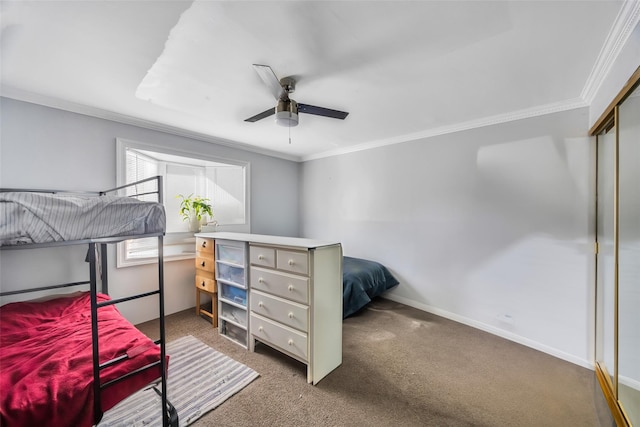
x=122 y=145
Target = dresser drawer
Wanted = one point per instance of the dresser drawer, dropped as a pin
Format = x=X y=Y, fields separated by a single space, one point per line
x=265 y=257
x=295 y=262
x=284 y=285
x=287 y=312
x=205 y=263
x=288 y=339
x=206 y=284
x=206 y=271
x=204 y=245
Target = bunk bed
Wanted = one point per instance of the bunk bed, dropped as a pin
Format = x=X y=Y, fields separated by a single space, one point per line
x=69 y=358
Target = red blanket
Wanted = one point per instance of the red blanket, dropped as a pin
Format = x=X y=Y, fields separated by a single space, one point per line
x=46 y=370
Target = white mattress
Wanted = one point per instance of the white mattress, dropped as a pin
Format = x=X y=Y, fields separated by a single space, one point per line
x=27 y=217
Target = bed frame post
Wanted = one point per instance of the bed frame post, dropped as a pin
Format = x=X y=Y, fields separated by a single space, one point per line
x=97 y=395
x=103 y=273
x=163 y=360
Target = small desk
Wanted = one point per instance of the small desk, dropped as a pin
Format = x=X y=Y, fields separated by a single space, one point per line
x=213 y=314
x=205 y=278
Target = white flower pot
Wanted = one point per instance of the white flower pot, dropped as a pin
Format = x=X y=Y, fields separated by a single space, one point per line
x=194 y=225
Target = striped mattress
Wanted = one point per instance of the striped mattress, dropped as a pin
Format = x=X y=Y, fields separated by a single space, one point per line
x=30 y=217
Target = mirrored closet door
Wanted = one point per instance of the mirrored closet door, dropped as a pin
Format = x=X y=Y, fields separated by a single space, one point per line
x=629 y=256
x=618 y=255
x=605 y=266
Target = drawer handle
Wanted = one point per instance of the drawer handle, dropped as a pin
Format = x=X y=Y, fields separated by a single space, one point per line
x=204 y=244
x=290 y=315
x=291 y=262
x=261 y=329
x=260 y=304
x=290 y=288
x=260 y=257
x=260 y=280
x=290 y=342
x=202 y=284
x=202 y=263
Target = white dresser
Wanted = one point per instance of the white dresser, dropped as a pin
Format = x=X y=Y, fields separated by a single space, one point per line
x=295 y=298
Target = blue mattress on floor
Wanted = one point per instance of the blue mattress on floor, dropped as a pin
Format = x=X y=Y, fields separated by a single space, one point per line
x=362 y=281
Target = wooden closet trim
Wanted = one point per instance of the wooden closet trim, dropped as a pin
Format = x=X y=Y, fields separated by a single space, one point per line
x=606 y=122
x=617 y=413
x=607 y=115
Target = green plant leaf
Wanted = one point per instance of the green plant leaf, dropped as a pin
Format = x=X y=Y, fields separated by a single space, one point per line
x=194 y=206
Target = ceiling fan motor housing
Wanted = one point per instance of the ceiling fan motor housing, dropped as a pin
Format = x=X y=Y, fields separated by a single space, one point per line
x=287 y=112
x=288 y=84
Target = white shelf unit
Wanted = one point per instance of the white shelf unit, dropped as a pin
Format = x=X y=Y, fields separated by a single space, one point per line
x=233 y=294
x=293 y=290
x=294 y=296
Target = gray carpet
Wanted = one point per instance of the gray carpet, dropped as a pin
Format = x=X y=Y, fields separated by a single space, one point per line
x=200 y=379
x=405 y=367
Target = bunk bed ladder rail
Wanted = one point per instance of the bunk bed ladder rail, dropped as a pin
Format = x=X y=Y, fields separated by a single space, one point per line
x=97 y=401
x=169 y=413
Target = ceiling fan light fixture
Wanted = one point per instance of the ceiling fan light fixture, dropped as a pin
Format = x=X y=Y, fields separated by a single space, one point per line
x=287 y=113
x=286 y=118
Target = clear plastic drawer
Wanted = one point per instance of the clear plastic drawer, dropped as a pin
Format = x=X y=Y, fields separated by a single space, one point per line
x=233 y=314
x=231 y=254
x=233 y=332
x=233 y=294
x=231 y=274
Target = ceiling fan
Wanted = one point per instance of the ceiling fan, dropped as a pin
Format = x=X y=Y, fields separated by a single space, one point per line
x=287 y=109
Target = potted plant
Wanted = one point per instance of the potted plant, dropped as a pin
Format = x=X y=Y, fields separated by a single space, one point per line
x=193 y=209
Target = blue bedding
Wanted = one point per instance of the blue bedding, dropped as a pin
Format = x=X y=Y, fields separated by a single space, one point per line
x=363 y=280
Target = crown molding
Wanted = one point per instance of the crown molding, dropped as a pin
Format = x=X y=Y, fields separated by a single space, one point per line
x=557 y=107
x=25 y=96
x=73 y=107
x=626 y=21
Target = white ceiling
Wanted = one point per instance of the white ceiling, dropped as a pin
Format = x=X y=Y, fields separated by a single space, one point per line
x=403 y=70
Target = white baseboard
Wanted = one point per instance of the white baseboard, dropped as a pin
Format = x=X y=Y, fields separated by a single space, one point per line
x=629 y=382
x=495 y=331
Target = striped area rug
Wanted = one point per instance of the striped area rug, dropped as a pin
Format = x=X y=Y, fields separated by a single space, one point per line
x=200 y=379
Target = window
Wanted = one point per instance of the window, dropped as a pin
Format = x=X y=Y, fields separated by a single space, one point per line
x=223 y=182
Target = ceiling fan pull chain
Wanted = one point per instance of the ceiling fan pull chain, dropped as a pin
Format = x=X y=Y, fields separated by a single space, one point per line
x=289 y=134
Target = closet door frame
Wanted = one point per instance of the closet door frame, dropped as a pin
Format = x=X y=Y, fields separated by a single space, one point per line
x=608 y=120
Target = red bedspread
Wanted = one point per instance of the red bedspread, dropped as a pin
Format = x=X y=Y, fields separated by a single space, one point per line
x=46 y=370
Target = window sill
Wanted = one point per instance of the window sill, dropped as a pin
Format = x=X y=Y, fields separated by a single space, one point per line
x=177 y=247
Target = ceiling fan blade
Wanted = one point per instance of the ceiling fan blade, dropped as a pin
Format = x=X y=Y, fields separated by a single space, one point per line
x=269 y=78
x=321 y=111
x=262 y=115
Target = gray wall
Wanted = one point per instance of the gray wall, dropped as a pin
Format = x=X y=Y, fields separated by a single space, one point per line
x=490 y=227
x=43 y=147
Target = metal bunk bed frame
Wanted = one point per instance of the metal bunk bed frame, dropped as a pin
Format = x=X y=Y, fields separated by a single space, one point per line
x=169 y=413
